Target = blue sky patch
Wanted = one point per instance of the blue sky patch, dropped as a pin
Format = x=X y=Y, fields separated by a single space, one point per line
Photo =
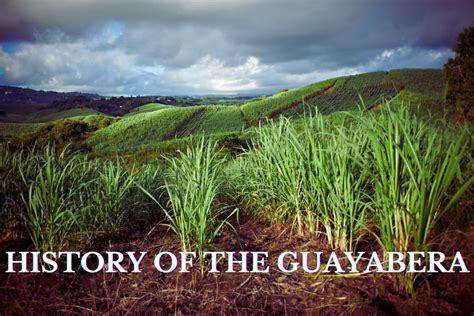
x=9 y=47
x=116 y=27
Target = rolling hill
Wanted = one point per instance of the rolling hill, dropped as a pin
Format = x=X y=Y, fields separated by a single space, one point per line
x=152 y=125
x=149 y=107
x=77 y=113
x=157 y=125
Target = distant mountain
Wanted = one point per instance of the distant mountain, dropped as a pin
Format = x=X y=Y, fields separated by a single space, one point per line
x=24 y=101
x=17 y=95
x=19 y=104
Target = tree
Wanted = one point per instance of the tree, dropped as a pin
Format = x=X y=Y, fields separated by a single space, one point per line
x=459 y=72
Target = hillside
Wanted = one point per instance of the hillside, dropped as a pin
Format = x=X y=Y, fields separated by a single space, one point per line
x=76 y=113
x=153 y=124
x=149 y=107
x=163 y=125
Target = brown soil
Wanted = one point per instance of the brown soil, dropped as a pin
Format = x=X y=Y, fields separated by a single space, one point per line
x=151 y=292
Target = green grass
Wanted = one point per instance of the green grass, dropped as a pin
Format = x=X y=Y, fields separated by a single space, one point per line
x=148 y=126
x=260 y=110
x=351 y=171
x=141 y=129
x=414 y=86
x=160 y=128
x=365 y=79
x=344 y=99
x=11 y=129
x=78 y=113
x=308 y=174
x=415 y=167
x=427 y=84
x=219 y=119
x=150 y=107
x=63 y=199
x=192 y=183
x=385 y=174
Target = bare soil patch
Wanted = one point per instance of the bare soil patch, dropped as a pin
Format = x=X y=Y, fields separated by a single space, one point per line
x=151 y=292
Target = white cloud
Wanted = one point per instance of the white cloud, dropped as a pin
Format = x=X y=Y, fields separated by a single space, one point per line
x=189 y=47
x=211 y=75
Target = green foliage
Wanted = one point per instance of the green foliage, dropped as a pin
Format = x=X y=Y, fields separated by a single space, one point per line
x=260 y=98
x=8 y=130
x=428 y=84
x=257 y=111
x=73 y=114
x=308 y=175
x=344 y=170
x=61 y=132
x=366 y=79
x=415 y=167
x=192 y=183
x=344 y=175
x=97 y=122
x=150 y=107
x=219 y=119
x=63 y=199
x=459 y=72
x=50 y=198
x=108 y=189
x=346 y=98
x=161 y=127
x=141 y=129
x=417 y=86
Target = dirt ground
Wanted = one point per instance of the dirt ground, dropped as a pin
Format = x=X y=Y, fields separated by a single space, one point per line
x=151 y=292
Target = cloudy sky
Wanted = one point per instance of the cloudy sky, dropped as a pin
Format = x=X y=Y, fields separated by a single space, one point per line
x=172 y=47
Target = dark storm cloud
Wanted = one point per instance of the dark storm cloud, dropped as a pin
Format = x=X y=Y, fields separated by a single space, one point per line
x=12 y=27
x=210 y=46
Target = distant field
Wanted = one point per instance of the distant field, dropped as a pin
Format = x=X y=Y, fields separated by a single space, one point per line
x=150 y=127
x=364 y=80
x=220 y=119
x=259 y=110
x=416 y=86
x=69 y=114
x=150 y=107
x=342 y=99
x=154 y=125
x=427 y=84
x=8 y=129
x=18 y=112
